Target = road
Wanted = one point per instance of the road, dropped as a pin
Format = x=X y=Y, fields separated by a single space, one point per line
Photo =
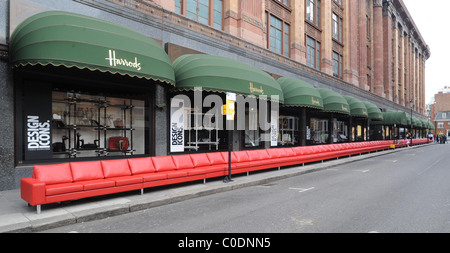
x=402 y=192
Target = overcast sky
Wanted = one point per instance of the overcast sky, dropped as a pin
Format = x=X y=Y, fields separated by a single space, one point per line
x=431 y=18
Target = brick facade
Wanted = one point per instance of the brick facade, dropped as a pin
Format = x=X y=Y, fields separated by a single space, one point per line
x=382 y=50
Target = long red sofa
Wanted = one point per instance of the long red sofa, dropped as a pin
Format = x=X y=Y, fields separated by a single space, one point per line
x=76 y=180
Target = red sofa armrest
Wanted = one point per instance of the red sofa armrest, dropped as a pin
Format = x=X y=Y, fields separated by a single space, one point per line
x=32 y=191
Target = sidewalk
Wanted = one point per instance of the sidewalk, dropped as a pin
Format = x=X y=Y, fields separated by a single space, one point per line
x=17 y=216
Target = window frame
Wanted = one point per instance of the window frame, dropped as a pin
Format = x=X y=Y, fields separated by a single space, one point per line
x=316 y=48
x=182 y=10
x=316 y=12
x=285 y=48
x=339 y=62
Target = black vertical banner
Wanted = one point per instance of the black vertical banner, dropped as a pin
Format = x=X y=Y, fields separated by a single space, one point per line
x=37 y=121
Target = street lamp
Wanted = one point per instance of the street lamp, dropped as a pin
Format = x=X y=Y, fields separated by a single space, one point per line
x=411 y=104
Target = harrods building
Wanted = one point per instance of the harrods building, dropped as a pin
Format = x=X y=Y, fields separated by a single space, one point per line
x=88 y=80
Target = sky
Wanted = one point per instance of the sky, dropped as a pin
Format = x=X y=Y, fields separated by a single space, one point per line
x=431 y=18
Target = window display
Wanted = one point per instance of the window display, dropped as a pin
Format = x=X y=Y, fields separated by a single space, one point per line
x=85 y=125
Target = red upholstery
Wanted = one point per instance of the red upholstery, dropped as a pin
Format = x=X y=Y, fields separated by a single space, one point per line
x=116 y=168
x=183 y=162
x=216 y=158
x=241 y=156
x=53 y=174
x=163 y=163
x=76 y=180
x=141 y=165
x=83 y=171
x=200 y=160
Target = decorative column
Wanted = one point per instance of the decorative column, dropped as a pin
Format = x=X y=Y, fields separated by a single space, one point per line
x=387 y=50
x=326 y=50
x=351 y=27
x=298 y=50
x=378 y=47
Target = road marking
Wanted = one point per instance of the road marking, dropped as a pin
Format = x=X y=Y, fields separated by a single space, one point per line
x=363 y=171
x=301 y=189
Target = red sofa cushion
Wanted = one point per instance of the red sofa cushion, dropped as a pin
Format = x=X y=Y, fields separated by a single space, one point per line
x=116 y=168
x=273 y=153
x=183 y=162
x=254 y=155
x=241 y=156
x=53 y=174
x=163 y=163
x=216 y=158
x=290 y=152
x=282 y=152
x=225 y=157
x=83 y=171
x=200 y=160
x=298 y=151
x=97 y=184
x=127 y=180
x=263 y=154
x=56 y=189
x=141 y=165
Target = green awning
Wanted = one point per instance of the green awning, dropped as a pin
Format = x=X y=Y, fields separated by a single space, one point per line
x=373 y=111
x=298 y=93
x=334 y=102
x=66 y=39
x=394 y=118
x=357 y=108
x=417 y=123
x=220 y=74
x=431 y=126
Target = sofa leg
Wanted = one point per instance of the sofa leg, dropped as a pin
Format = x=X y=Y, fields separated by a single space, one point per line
x=204 y=180
x=248 y=173
x=142 y=191
x=38 y=209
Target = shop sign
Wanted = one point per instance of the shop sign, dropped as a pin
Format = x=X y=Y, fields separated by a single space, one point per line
x=274 y=115
x=114 y=62
x=177 y=125
x=38 y=134
x=37 y=121
x=253 y=89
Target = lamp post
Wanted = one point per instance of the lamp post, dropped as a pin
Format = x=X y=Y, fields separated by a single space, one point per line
x=411 y=104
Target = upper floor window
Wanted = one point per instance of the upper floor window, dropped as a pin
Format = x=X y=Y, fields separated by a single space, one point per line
x=277 y=34
x=337 y=27
x=337 y=65
x=285 y=2
x=313 y=53
x=208 y=12
x=339 y=2
x=313 y=11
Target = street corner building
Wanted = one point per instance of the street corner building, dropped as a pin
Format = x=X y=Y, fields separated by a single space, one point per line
x=89 y=80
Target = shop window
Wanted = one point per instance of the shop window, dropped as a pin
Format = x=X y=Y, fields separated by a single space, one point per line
x=341 y=131
x=86 y=125
x=288 y=134
x=252 y=133
x=204 y=136
x=318 y=131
